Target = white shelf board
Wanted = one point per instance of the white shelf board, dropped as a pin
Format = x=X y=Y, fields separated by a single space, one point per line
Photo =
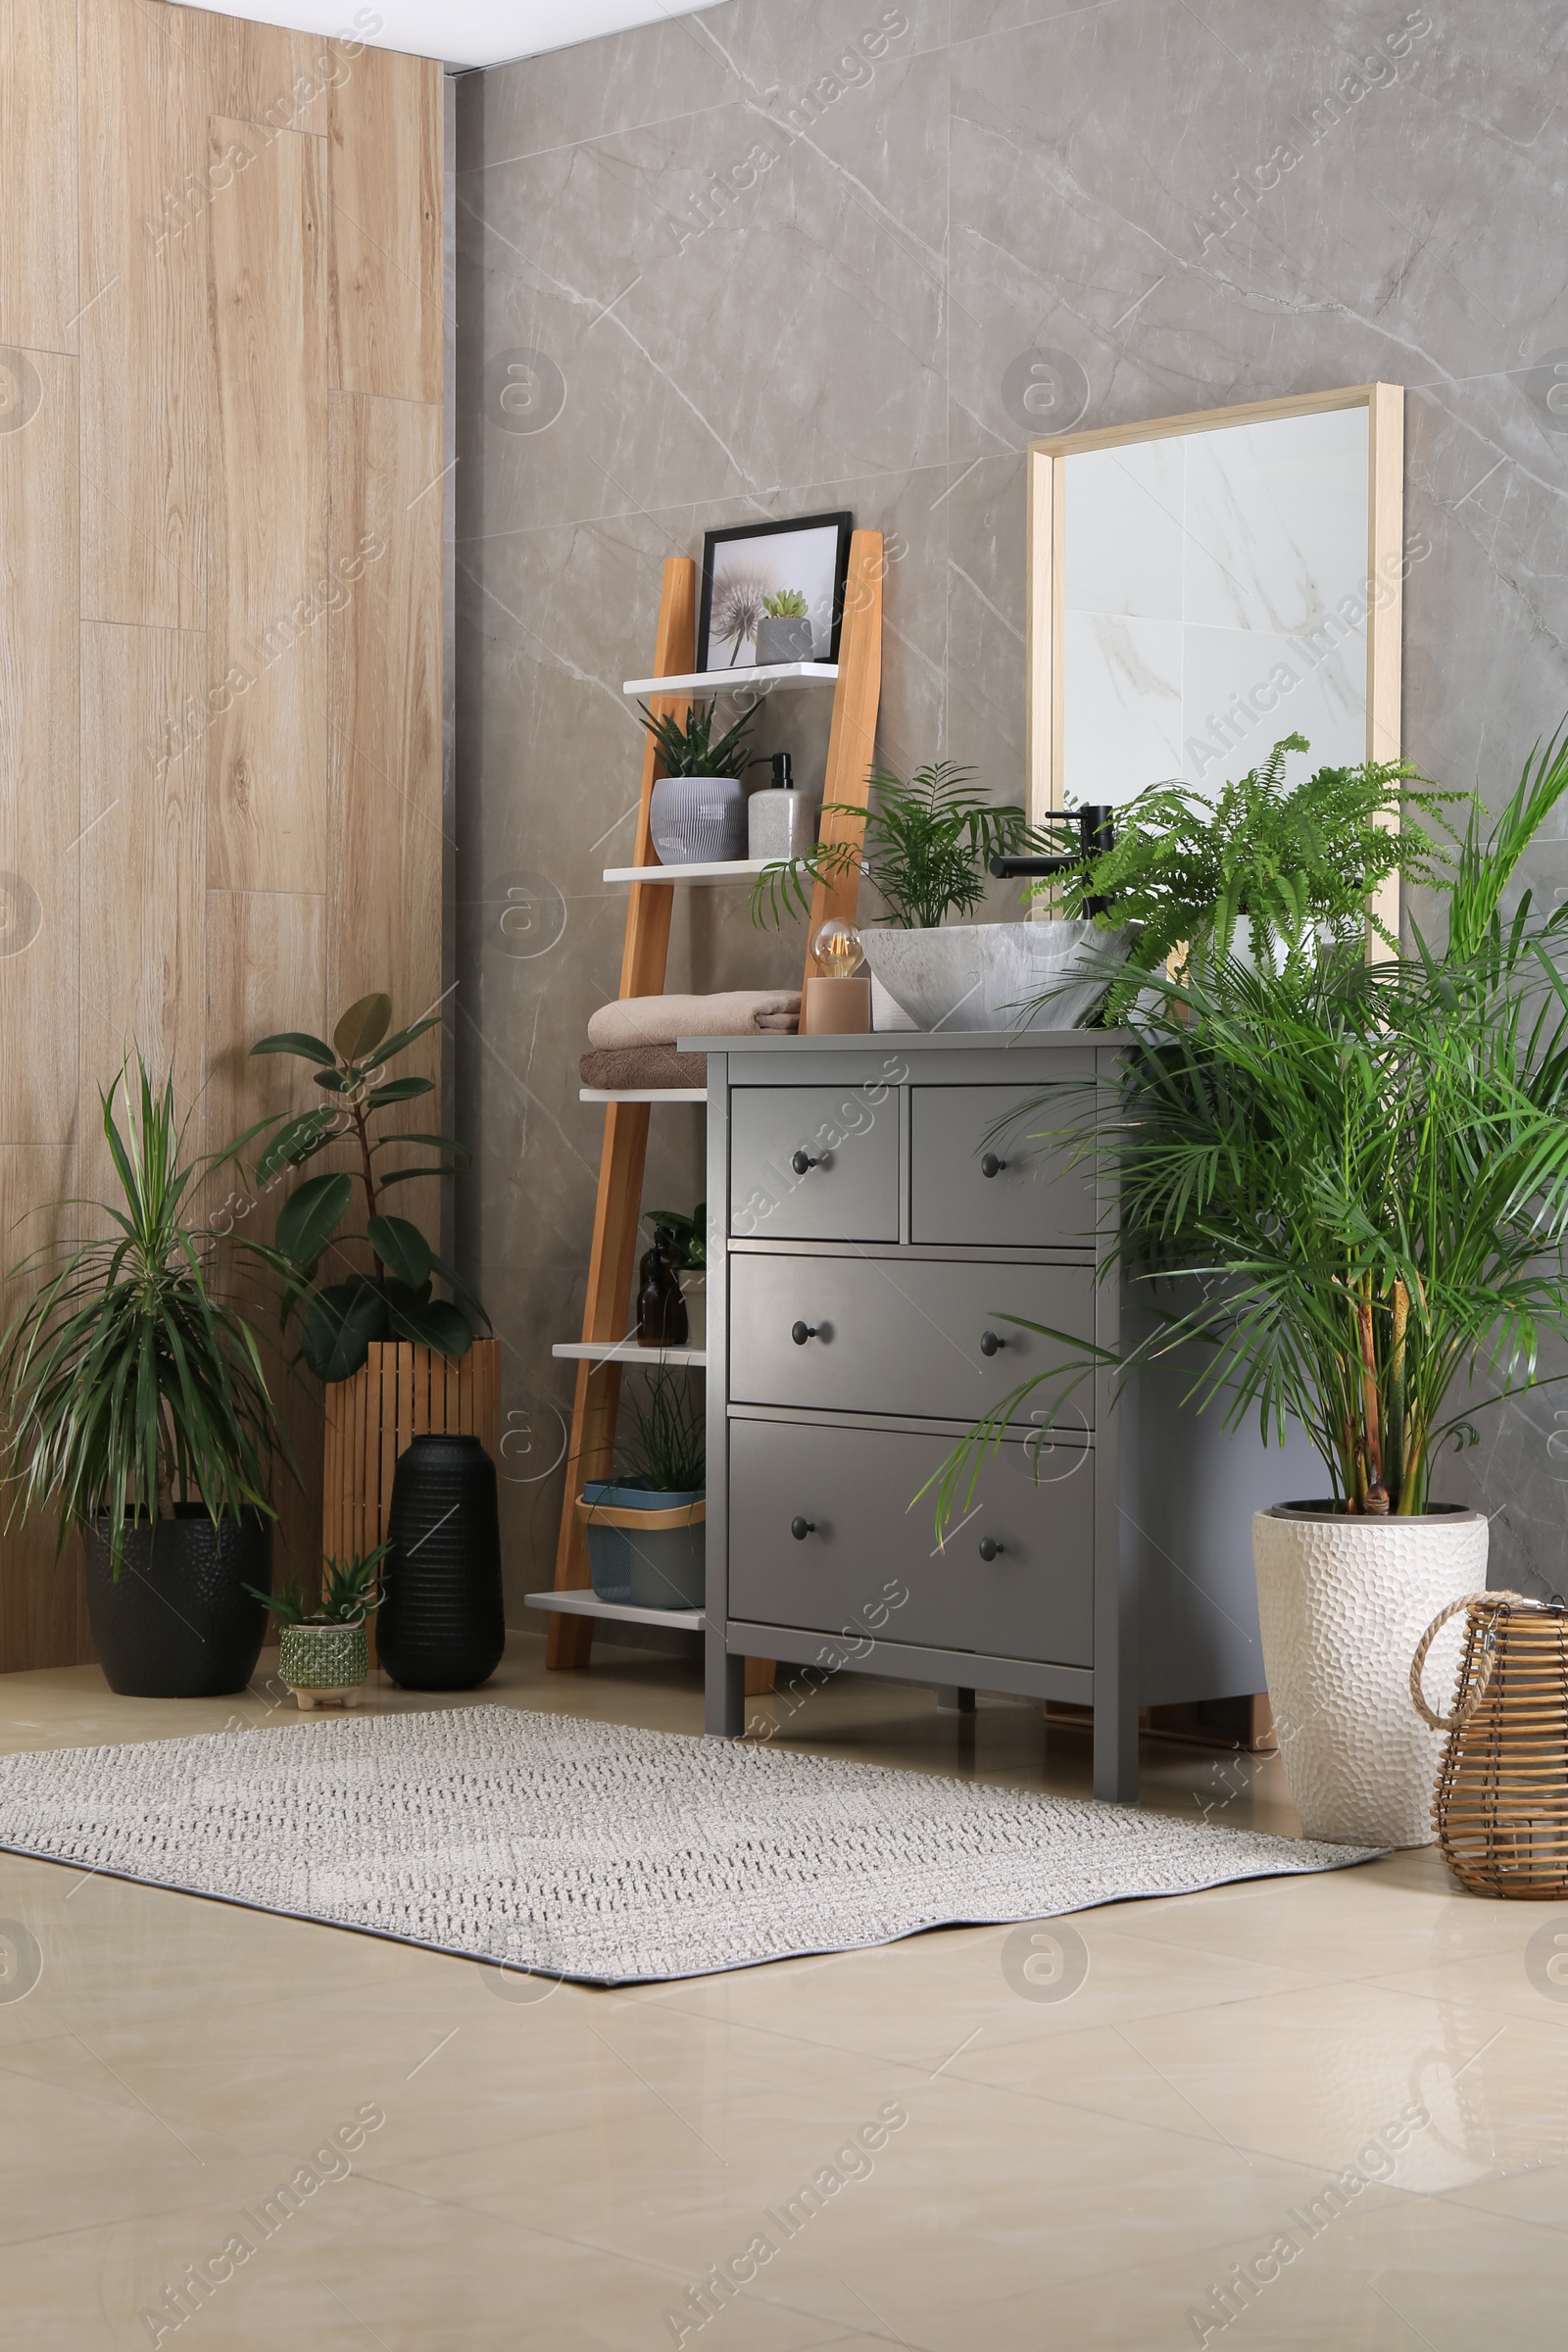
x=642 y=1094
x=717 y=869
x=627 y=1351
x=725 y=681
x=589 y=1604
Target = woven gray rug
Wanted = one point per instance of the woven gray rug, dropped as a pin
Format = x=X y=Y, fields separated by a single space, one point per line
x=593 y=1851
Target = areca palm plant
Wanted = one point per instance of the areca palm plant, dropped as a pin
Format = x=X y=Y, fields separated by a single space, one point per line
x=1346 y=1183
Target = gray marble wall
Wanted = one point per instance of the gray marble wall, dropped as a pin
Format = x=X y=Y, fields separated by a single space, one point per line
x=963 y=222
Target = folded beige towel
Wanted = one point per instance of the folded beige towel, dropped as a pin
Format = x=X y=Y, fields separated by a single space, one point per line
x=615 y=1066
x=661 y=1020
x=778 y=1024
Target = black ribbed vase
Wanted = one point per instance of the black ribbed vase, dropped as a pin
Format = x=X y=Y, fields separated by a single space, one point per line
x=442 y=1624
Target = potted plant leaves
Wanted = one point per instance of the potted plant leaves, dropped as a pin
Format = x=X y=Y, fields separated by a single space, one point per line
x=1343 y=1191
x=342 y=1305
x=645 y=1526
x=783 y=629
x=323 y=1650
x=138 y=1410
x=687 y=1251
x=697 y=811
x=928 y=843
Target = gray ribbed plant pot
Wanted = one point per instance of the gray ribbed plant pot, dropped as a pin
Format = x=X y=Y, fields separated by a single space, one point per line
x=785 y=639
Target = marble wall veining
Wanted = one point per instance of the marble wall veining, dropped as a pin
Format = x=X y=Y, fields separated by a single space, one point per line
x=790 y=255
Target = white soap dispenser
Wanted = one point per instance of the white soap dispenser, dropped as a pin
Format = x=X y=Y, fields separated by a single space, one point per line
x=779 y=821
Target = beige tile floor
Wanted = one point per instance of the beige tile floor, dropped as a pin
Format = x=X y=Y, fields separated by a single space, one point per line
x=559 y=2167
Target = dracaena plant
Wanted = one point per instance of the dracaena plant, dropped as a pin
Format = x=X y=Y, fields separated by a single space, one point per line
x=342 y=1303
x=928 y=842
x=131 y=1379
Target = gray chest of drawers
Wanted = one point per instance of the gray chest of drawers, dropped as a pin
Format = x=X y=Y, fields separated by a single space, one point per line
x=878 y=1210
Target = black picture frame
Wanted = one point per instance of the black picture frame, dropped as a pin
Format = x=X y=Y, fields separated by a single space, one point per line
x=840 y=524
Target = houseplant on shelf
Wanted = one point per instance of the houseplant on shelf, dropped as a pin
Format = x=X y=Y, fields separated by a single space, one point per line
x=928 y=844
x=688 y=1255
x=783 y=628
x=137 y=1408
x=361 y=1282
x=1347 y=1185
x=323 y=1650
x=645 y=1525
x=696 y=811
x=1266 y=870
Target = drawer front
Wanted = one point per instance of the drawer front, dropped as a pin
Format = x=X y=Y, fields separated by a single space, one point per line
x=868 y=1562
x=901 y=1334
x=850 y=1191
x=1033 y=1199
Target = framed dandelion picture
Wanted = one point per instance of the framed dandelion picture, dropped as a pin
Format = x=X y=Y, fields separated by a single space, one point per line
x=771 y=590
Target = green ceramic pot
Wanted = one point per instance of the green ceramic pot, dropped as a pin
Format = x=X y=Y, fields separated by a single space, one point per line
x=317 y=1660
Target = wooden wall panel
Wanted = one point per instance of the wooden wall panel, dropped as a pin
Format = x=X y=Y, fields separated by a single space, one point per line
x=385 y=137
x=268 y=602
x=143 y=896
x=38 y=298
x=39 y=815
x=264 y=74
x=143 y=329
x=220 y=795
x=386 y=704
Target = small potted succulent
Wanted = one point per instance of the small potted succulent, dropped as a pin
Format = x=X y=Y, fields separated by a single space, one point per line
x=784 y=632
x=646 y=1537
x=324 y=1654
x=687 y=1251
x=697 y=811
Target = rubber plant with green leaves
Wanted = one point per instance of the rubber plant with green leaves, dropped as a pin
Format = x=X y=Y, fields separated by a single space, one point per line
x=340 y=1316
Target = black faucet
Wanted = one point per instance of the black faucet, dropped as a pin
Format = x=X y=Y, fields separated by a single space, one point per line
x=1096 y=836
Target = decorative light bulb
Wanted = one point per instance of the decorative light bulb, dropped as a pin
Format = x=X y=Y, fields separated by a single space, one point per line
x=838 y=949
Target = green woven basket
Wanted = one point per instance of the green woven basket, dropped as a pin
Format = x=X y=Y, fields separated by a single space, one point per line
x=323 y=1657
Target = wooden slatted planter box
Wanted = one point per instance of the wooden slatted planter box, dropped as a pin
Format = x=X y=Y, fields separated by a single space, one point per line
x=399 y=1394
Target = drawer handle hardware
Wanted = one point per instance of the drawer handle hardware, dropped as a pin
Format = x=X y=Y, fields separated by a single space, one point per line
x=803 y=1163
x=990 y=1165
x=990 y=1547
x=990 y=1341
x=799 y=1333
x=800 y=1529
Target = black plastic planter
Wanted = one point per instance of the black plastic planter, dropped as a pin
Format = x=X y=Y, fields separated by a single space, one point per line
x=442 y=1624
x=176 y=1622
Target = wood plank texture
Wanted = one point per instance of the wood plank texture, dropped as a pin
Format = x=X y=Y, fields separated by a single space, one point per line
x=384 y=921
x=183 y=862
x=852 y=738
x=39 y=751
x=270 y=595
x=143 y=329
x=385 y=136
x=38 y=299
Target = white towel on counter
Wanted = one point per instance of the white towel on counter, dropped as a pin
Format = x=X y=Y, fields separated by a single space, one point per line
x=661 y=1020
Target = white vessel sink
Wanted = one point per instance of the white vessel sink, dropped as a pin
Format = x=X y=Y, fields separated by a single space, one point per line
x=991 y=975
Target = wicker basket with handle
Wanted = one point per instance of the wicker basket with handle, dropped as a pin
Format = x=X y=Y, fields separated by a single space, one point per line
x=1500 y=1806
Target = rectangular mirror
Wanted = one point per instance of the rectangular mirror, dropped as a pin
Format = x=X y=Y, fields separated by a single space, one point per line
x=1202 y=585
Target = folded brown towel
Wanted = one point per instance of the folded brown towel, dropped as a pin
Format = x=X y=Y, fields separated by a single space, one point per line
x=661 y=1020
x=617 y=1066
x=778 y=1024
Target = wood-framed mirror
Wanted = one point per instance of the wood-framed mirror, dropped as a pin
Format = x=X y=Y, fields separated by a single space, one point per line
x=1202 y=585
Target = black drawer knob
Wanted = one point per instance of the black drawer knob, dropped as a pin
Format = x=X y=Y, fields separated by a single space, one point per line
x=990 y=1165
x=800 y=1529
x=990 y=1341
x=803 y=1163
x=799 y=1333
x=990 y=1547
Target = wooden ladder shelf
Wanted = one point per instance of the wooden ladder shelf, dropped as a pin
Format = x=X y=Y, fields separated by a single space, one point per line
x=617 y=1212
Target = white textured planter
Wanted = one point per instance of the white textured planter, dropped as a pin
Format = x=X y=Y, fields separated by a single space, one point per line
x=1342 y=1603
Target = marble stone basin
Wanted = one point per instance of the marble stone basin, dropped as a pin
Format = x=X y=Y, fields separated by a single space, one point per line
x=988 y=975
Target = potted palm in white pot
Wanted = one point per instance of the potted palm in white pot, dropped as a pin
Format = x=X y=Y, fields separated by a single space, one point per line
x=1348 y=1183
